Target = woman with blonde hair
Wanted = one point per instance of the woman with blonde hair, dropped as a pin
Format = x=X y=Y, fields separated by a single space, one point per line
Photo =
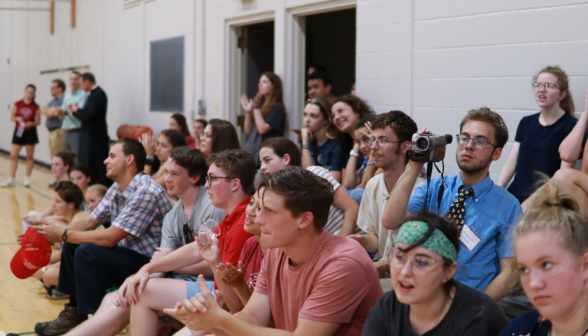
x=265 y=114
x=539 y=135
x=551 y=255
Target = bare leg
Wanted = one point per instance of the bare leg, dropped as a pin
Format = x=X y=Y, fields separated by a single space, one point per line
x=30 y=159
x=574 y=182
x=51 y=276
x=109 y=320
x=14 y=151
x=158 y=295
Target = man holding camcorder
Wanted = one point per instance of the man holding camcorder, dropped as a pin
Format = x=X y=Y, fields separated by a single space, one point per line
x=485 y=213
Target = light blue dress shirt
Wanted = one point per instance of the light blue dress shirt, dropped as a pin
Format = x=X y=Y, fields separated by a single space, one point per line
x=491 y=214
x=79 y=96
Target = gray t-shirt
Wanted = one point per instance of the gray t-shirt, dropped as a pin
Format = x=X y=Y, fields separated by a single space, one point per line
x=174 y=221
x=55 y=122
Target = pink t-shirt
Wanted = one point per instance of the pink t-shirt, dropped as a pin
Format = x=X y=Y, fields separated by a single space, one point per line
x=251 y=256
x=337 y=284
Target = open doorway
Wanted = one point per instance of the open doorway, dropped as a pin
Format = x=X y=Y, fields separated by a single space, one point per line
x=257 y=48
x=330 y=43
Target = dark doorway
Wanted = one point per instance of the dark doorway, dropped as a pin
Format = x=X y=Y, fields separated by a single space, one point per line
x=330 y=43
x=258 y=54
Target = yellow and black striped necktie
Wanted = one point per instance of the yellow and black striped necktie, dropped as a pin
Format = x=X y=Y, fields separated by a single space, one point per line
x=457 y=210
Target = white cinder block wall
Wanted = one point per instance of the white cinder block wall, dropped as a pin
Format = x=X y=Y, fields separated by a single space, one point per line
x=435 y=59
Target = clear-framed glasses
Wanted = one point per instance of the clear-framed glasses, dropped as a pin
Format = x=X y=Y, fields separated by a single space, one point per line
x=210 y=179
x=420 y=264
x=205 y=136
x=479 y=143
x=547 y=86
x=382 y=142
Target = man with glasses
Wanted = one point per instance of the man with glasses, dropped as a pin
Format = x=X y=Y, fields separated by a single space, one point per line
x=390 y=140
x=229 y=183
x=484 y=213
x=185 y=177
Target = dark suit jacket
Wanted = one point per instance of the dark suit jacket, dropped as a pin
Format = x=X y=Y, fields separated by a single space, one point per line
x=94 y=140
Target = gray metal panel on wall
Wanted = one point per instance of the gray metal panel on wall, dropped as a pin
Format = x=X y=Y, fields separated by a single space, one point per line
x=167 y=75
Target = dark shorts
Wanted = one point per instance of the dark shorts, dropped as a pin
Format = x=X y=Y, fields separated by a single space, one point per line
x=28 y=137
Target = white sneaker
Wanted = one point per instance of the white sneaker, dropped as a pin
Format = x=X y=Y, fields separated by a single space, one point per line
x=8 y=183
x=27 y=181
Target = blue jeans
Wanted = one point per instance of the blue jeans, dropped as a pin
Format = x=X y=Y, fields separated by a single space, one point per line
x=356 y=194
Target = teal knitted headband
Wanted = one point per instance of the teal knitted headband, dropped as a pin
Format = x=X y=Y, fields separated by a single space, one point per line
x=412 y=232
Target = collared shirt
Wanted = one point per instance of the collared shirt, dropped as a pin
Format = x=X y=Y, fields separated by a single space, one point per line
x=54 y=123
x=491 y=214
x=138 y=210
x=371 y=211
x=70 y=122
x=233 y=235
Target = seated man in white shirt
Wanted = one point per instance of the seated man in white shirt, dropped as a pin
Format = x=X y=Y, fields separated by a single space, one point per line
x=391 y=133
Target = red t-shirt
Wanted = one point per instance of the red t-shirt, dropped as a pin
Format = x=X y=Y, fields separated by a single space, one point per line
x=252 y=257
x=190 y=141
x=337 y=284
x=233 y=235
x=26 y=111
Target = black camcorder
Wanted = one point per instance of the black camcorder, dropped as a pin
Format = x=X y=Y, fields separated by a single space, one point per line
x=428 y=147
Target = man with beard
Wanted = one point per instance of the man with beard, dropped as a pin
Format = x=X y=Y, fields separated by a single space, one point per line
x=485 y=213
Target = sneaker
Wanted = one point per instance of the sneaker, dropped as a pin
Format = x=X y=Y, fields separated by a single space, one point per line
x=57 y=295
x=8 y=183
x=27 y=181
x=66 y=321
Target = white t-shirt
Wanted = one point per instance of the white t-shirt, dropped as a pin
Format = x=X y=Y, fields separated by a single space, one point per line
x=336 y=216
x=371 y=211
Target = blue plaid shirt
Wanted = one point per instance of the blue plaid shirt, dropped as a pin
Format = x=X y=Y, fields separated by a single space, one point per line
x=138 y=210
x=491 y=214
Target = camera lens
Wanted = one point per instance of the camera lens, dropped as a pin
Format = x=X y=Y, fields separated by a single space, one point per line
x=422 y=143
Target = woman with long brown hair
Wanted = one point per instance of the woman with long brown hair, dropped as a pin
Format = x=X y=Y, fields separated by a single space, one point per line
x=536 y=146
x=218 y=135
x=178 y=122
x=265 y=114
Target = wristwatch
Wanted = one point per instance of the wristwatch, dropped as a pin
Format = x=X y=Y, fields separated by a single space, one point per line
x=149 y=161
x=64 y=236
x=352 y=153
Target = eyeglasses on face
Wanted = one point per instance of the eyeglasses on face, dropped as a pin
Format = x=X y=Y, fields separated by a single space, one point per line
x=210 y=179
x=420 y=264
x=547 y=86
x=381 y=141
x=205 y=136
x=479 y=143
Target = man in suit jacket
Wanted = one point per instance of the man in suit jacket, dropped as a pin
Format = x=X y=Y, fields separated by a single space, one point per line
x=94 y=141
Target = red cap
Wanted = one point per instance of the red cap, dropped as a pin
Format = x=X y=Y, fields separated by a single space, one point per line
x=35 y=253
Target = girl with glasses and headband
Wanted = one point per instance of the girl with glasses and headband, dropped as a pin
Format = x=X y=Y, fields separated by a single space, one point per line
x=538 y=138
x=426 y=300
x=551 y=255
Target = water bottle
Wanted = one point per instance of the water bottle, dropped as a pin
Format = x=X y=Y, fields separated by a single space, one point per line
x=20 y=130
x=208 y=232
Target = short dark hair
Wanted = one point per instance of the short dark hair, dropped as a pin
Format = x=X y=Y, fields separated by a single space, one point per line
x=88 y=76
x=401 y=124
x=318 y=67
x=175 y=138
x=192 y=160
x=202 y=121
x=302 y=191
x=181 y=120
x=135 y=148
x=318 y=74
x=70 y=193
x=239 y=164
x=282 y=146
x=82 y=168
x=68 y=158
x=224 y=135
x=60 y=84
x=76 y=72
x=488 y=116
x=447 y=227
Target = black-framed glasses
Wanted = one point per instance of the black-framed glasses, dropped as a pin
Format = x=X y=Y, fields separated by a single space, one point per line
x=479 y=143
x=211 y=179
x=382 y=142
x=548 y=86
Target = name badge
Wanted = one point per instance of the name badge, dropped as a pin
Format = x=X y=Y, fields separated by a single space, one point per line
x=468 y=238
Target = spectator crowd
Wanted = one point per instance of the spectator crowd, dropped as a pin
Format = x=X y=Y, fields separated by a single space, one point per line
x=342 y=233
